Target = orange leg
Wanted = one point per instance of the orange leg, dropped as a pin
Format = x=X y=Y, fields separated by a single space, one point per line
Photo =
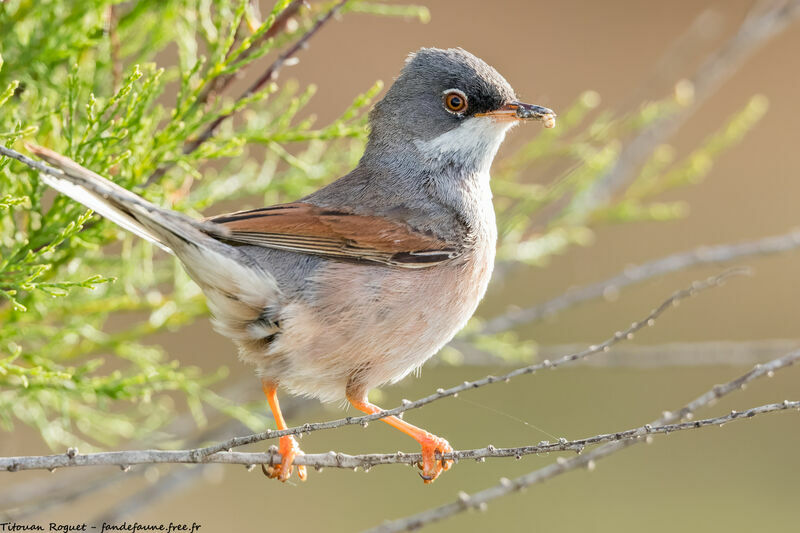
x=431 y=467
x=287 y=445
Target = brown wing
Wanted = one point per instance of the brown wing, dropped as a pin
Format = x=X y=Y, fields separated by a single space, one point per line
x=306 y=228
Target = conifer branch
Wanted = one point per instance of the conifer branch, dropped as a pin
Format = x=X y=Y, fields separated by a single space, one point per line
x=270 y=74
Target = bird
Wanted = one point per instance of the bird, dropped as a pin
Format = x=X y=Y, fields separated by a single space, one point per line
x=359 y=283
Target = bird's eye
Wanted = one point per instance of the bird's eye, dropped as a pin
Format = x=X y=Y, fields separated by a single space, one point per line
x=455 y=101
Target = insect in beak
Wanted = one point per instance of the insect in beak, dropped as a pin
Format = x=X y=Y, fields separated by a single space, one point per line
x=513 y=111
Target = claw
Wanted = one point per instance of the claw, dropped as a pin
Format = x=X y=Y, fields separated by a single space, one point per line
x=431 y=466
x=431 y=444
x=289 y=449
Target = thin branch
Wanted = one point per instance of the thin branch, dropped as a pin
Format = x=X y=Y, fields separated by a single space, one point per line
x=618 y=337
x=704 y=28
x=680 y=354
x=269 y=75
x=332 y=459
x=760 y=25
x=114 y=46
x=480 y=499
x=26 y=503
x=179 y=479
x=703 y=255
x=199 y=454
x=36 y=165
x=220 y=83
x=41 y=495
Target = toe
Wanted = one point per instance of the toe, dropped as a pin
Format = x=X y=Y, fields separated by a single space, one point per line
x=301 y=471
x=431 y=466
x=289 y=449
x=271 y=471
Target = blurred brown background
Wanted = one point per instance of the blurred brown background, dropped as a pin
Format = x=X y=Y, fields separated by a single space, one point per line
x=742 y=477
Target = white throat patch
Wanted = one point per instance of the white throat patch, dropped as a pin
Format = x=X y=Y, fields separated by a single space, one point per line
x=474 y=142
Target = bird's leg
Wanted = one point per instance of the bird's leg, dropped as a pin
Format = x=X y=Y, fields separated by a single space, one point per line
x=287 y=445
x=431 y=444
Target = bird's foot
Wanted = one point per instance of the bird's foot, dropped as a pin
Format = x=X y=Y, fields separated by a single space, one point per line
x=431 y=466
x=289 y=449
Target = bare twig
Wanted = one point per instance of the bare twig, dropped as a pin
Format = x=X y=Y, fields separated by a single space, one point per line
x=480 y=500
x=36 y=165
x=114 y=46
x=681 y=354
x=762 y=24
x=220 y=83
x=703 y=255
x=619 y=336
x=179 y=479
x=176 y=480
x=269 y=75
x=704 y=28
x=662 y=355
x=367 y=461
x=200 y=454
x=42 y=495
x=24 y=503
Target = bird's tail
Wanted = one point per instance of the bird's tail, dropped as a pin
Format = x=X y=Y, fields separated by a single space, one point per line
x=238 y=290
x=163 y=227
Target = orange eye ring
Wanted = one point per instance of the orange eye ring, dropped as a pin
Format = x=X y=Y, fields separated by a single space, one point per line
x=455 y=101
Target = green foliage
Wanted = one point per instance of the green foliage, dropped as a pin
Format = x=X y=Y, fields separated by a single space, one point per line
x=63 y=83
x=374 y=8
x=88 y=79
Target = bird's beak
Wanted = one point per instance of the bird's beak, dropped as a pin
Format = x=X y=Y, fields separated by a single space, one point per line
x=514 y=111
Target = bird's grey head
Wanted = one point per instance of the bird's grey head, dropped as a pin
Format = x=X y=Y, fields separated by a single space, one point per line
x=447 y=108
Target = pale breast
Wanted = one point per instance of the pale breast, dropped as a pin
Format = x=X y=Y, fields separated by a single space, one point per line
x=375 y=323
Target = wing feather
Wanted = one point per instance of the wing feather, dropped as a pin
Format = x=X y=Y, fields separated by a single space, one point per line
x=306 y=228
